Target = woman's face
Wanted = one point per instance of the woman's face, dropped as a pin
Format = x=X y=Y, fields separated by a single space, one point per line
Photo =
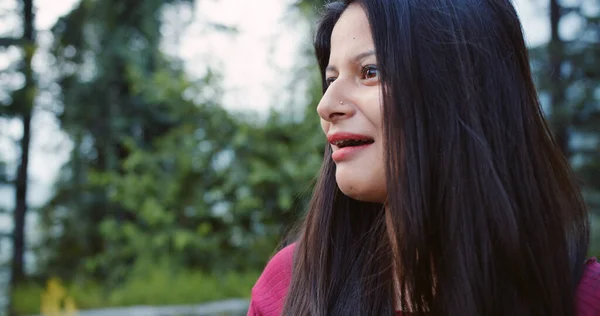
x=350 y=110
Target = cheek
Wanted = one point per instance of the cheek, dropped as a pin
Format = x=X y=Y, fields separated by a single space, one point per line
x=374 y=109
x=324 y=126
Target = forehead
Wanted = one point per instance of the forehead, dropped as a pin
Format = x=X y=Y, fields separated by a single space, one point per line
x=351 y=33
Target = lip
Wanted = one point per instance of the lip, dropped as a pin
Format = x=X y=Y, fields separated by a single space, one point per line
x=343 y=136
x=341 y=154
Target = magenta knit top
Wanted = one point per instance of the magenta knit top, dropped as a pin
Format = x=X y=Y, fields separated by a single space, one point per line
x=268 y=294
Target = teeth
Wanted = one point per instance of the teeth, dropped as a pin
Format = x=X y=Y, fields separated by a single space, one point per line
x=351 y=142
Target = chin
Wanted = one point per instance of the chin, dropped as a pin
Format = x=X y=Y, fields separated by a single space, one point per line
x=361 y=191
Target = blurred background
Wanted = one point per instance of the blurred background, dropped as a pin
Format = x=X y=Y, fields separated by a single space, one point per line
x=154 y=153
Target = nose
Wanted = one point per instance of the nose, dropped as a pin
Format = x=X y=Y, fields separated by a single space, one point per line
x=334 y=104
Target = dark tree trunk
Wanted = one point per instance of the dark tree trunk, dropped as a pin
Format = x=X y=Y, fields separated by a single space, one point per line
x=25 y=110
x=560 y=119
x=17 y=274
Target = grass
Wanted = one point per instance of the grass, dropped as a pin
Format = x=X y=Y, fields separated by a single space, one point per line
x=154 y=285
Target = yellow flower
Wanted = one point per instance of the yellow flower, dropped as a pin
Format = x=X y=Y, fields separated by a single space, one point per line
x=53 y=299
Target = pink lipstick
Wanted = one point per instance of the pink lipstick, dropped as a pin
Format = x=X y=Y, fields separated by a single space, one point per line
x=347 y=144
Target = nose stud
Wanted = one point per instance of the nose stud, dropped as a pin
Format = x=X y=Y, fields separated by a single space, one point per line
x=342 y=102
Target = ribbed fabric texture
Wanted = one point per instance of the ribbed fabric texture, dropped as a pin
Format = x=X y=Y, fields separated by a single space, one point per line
x=588 y=293
x=268 y=294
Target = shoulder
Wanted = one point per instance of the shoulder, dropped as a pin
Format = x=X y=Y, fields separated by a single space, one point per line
x=588 y=293
x=268 y=294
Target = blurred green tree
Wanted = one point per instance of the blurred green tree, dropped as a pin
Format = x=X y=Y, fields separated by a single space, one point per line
x=568 y=78
x=104 y=52
x=158 y=168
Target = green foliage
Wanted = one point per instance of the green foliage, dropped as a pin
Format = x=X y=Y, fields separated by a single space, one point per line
x=595 y=237
x=119 y=92
x=216 y=203
x=27 y=298
x=309 y=8
x=150 y=283
x=158 y=167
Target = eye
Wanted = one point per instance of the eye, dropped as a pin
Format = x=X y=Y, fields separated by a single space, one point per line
x=370 y=72
x=329 y=81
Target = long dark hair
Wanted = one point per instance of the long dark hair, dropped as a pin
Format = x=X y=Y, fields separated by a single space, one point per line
x=483 y=215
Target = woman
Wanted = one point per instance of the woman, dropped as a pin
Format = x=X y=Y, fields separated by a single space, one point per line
x=442 y=191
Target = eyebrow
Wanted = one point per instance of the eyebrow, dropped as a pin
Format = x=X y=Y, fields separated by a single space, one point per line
x=354 y=60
